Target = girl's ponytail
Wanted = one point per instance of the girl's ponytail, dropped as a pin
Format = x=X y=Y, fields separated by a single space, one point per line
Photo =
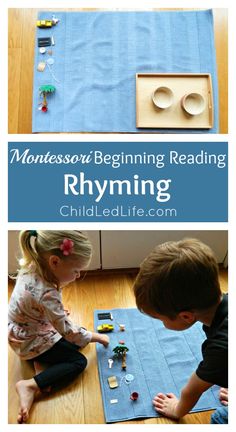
x=27 y=245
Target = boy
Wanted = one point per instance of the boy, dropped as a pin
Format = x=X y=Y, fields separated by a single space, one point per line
x=178 y=283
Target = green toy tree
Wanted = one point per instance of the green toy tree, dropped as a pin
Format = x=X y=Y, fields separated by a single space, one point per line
x=120 y=351
x=45 y=90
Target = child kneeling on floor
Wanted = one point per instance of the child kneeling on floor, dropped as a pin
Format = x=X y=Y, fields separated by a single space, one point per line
x=178 y=283
x=39 y=327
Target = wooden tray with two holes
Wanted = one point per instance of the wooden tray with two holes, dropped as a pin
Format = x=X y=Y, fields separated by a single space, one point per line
x=149 y=116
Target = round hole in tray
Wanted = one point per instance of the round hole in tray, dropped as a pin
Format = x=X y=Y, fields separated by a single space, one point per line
x=162 y=97
x=193 y=103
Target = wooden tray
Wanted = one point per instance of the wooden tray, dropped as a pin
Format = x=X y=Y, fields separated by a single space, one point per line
x=148 y=116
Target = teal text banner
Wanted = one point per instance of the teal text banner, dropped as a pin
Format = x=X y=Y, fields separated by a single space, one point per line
x=118 y=182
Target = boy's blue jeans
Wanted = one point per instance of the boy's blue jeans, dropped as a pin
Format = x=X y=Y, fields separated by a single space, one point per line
x=220 y=416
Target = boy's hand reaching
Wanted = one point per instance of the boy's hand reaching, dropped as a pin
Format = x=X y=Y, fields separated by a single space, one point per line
x=100 y=338
x=166 y=404
x=170 y=406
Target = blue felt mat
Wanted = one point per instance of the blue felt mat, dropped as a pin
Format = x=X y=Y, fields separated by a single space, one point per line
x=97 y=54
x=160 y=360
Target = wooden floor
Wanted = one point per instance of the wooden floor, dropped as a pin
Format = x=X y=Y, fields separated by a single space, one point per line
x=21 y=58
x=81 y=402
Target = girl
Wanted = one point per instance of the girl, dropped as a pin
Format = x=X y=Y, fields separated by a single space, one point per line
x=39 y=327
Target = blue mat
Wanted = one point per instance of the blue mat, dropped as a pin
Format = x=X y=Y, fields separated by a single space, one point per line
x=96 y=56
x=160 y=360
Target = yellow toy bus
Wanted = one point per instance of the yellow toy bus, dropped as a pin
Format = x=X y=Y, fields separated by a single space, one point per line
x=44 y=23
x=47 y=23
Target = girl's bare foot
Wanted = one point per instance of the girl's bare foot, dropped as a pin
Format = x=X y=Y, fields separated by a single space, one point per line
x=26 y=390
x=223 y=395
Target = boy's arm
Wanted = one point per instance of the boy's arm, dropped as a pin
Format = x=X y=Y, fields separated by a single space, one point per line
x=190 y=394
x=169 y=406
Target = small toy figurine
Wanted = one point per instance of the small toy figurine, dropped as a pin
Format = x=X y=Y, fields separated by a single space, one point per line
x=45 y=90
x=120 y=351
x=55 y=20
x=103 y=328
x=122 y=327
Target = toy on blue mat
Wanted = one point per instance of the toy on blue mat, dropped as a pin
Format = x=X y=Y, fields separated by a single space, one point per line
x=121 y=326
x=110 y=363
x=47 y=23
x=44 y=42
x=112 y=381
x=108 y=315
x=134 y=396
x=128 y=378
x=120 y=351
x=105 y=315
x=104 y=328
x=45 y=90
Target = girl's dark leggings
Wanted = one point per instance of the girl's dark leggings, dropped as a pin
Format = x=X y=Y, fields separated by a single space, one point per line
x=64 y=364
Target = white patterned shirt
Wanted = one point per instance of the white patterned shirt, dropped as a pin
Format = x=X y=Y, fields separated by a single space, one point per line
x=37 y=319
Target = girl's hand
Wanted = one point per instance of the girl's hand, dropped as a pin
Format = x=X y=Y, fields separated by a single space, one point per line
x=100 y=338
x=104 y=340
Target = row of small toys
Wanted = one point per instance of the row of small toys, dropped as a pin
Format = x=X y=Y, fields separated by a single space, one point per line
x=106 y=327
x=47 y=89
x=120 y=351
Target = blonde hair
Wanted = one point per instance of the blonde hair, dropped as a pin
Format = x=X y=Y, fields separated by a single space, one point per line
x=178 y=276
x=36 y=245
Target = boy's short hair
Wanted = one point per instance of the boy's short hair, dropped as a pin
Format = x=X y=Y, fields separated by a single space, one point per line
x=178 y=276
